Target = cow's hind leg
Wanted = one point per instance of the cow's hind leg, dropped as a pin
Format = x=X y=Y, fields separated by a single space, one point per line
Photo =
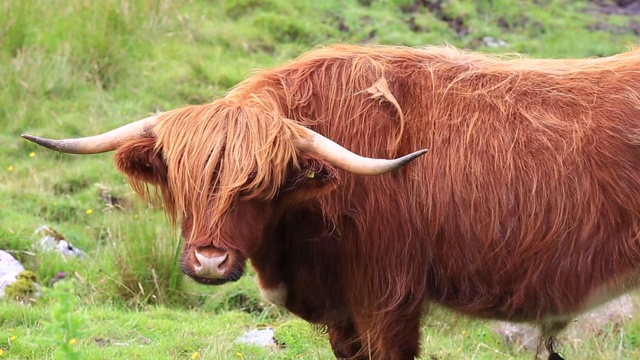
x=550 y=345
x=548 y=338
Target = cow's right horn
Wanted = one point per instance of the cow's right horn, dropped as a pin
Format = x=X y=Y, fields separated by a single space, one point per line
x=108 y=141
x=344 y=159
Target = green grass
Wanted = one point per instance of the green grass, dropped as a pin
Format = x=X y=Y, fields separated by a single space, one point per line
x=155 y=333
x=77 y=67
x=158 y=332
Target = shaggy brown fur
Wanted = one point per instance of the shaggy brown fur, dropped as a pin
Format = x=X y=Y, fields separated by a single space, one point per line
x=526 y=209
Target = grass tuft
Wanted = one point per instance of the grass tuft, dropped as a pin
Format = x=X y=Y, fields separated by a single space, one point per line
x=147 y=258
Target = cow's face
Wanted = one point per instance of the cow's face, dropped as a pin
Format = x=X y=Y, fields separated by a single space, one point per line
x=215 y=254
x=214 y=258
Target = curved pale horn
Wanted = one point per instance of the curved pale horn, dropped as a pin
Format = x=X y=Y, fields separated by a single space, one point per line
x=108 y=141
x=349 y=161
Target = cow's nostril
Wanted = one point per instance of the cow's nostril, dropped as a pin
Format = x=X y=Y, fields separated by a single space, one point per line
x=210 y=264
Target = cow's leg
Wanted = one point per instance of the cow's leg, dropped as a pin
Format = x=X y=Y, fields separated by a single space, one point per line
x=551 y=346
x=402 y=341
x=548 y=337
x=393 y=335
x=345 y=341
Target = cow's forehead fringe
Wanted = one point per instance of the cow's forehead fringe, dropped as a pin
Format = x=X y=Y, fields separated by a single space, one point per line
x=219 y=151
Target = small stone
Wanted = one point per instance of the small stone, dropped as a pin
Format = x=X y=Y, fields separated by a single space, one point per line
x=259 y=337
x=52 y=240
x=492 y=42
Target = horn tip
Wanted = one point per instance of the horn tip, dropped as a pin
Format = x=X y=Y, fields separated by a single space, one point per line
x=49 y=144
x=36 y=139
x=410 y=157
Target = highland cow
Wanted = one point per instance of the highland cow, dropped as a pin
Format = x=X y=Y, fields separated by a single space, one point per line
x=525 y=209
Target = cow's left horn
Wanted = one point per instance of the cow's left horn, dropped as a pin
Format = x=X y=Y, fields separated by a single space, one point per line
x=349 y=161
x=108 y=141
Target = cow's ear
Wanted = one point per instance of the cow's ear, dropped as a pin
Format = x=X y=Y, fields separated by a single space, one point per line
x=141 y=161
x=313 y=178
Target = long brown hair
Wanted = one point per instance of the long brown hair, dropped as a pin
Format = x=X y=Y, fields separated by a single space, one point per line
x=526 y=205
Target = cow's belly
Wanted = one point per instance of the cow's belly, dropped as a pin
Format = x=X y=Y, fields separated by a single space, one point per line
x=542 y=302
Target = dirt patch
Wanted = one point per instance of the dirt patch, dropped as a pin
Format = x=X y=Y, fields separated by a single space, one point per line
x=630 y=8
x=616 y=7
x=633 y=27
x=456 y=23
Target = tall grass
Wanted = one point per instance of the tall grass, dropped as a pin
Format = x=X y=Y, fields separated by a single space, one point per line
x=146 y=256
x=58 y=50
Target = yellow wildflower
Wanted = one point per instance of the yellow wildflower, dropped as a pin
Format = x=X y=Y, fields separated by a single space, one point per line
x=13 y=338
x=73 y=341
x=10 y=168
x=195 y=355
x=89 y=211
x=32 y=154
x=1 y=352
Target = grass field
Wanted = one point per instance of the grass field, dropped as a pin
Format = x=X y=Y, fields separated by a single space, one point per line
x=79 y=67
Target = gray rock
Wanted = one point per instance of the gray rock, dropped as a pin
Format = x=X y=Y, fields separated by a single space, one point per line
x=50 y=239
x=9 y=270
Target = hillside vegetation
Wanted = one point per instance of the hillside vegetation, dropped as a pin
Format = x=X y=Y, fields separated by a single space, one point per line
x=80 y=67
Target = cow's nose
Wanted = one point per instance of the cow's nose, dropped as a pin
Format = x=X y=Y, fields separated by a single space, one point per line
x=210 y=262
